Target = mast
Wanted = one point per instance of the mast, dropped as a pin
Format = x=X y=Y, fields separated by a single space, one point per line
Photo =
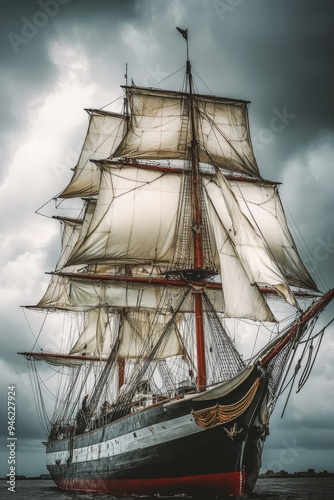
x=197 y=228
x=121 y=361
x=126 y=102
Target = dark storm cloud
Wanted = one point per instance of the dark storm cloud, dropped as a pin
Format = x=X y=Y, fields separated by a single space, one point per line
x=26 y=28
x=23 y=22
x=279 y=54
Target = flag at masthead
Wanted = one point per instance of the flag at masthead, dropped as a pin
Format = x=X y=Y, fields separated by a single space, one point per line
x=184 y=33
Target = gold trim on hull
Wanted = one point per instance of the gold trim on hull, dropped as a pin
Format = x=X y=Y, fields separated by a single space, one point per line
x=220 y=414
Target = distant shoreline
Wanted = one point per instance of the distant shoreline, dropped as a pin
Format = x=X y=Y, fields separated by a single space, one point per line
x=295 y=475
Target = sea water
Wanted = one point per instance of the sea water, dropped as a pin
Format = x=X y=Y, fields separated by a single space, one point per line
x=309 y=488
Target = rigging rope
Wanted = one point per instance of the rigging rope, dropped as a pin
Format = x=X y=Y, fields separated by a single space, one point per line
x=32 y=332
x=124 y=400
x=39 y=402
x=311 y=354
x=308 y=254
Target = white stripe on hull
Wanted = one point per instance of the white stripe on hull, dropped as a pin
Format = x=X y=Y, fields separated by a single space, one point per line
x=142 y=438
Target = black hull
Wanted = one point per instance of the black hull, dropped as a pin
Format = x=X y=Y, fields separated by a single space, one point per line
x=162 y=450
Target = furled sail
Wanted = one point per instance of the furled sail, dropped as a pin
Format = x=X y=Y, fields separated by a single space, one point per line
x=160 y=128
x=60 y=359
x=105 y=131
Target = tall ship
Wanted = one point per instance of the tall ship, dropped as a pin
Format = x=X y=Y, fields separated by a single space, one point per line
x=183 y=302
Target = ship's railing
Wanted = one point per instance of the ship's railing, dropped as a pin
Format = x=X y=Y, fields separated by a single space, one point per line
x=85 y=421
x=62 y=430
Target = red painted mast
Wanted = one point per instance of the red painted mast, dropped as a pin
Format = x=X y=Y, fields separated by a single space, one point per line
x=197 y=233
x=121 y=372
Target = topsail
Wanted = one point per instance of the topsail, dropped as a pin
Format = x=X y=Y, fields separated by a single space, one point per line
x=160 y=128
x=104 y=133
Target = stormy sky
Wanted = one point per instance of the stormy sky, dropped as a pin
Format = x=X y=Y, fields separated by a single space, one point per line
x=60 y=56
